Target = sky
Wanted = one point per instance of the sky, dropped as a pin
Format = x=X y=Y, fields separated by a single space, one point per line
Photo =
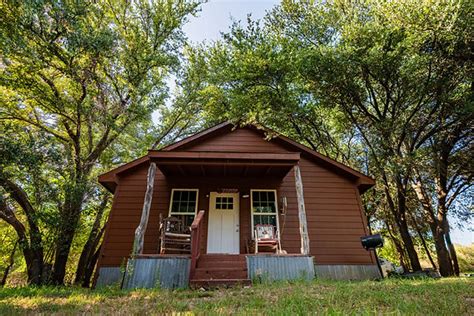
x=216 y=16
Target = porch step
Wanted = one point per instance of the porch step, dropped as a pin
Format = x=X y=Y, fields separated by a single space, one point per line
x=218 y=283
x=219 y=258
x=225 y=263
x=215 y=270
x=236 y=272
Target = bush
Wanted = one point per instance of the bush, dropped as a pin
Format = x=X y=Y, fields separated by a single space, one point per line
x=465 y=257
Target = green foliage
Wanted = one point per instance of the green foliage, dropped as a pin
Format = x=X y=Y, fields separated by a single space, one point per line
x=78 y=84
x=466 y=257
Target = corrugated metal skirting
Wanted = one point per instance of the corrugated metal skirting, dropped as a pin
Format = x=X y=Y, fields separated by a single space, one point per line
x=109 y=276
x=168 y=273
x=272 y=267
x=347 y=272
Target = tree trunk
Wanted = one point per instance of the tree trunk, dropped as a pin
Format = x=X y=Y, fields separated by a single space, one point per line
x=401 y=221
x=31 y=242
x=303 y=225
x=91 y=243
x=141 y=229
x=439 y=234
x=398 y=246
x=63 y=246
x=442 y=229
x=70 y=215
x=11 y=261
x=452 y=250
x=452 y=253
x=437 y=230
x=425 y=246
x=444 y=262
x=33 y=256
x=86 y=281
x=408 y=244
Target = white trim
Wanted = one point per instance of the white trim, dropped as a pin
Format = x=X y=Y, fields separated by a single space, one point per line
x=252 y=212
x=171 y=201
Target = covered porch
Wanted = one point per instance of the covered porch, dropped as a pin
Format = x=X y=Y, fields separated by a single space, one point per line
x=219 y=199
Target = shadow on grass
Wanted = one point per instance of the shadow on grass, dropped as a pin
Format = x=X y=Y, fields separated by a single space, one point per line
x=10 y=308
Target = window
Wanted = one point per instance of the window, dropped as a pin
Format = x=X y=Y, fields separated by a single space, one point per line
x=224 y=203
x=183 y=204
x=264 y=208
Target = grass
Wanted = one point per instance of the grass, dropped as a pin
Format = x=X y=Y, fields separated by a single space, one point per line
x=451 y=296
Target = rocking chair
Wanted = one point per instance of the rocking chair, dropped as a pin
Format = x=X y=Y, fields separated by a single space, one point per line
x=266 y=238
x=174 y=236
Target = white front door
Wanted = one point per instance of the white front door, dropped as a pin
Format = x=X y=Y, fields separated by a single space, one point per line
x=223 y=227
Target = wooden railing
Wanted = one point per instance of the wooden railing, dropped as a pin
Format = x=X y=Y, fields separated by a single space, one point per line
x=196 y=228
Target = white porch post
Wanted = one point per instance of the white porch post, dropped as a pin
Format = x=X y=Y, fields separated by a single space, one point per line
x=141 y=229
x=301 y=212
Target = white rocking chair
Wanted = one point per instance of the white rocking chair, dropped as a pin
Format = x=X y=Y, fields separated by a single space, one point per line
x=267 y=237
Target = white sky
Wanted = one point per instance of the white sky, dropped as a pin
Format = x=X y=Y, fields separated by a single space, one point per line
x=216 y=16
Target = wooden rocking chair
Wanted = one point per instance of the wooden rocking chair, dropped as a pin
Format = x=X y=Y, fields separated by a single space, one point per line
x=267 y=238
x=174 y=236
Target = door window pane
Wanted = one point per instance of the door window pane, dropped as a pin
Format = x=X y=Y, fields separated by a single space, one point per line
x=224 y=203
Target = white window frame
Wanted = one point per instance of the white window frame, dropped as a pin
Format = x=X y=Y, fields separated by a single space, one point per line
x=276 y=208
x=171 y=201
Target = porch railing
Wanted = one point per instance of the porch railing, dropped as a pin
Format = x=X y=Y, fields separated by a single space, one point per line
x=196 y=228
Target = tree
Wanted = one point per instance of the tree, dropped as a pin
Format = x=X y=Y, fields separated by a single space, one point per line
x=83 y=73
x=392 y=74
x=249 y=76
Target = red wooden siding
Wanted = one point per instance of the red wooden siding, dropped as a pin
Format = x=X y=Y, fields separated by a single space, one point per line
x=239 y=140
x=334 y=215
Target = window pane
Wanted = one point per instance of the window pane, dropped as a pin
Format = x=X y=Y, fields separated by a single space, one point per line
x=184 y=195
x=183 y=207
x=264 y=202
x=188 y=220
x=183 y=202
x=192 y=206
x=264 y=220
x=175 y=206
x=255 y=196
x=271 y=196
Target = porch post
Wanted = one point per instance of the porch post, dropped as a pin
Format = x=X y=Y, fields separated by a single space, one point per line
x=140 y=231
x=301 y=212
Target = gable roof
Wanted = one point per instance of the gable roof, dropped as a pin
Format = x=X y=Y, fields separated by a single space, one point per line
x=363 y=179
x=364 y=182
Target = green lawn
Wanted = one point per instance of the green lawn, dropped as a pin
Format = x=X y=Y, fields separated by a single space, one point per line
x=452 y=296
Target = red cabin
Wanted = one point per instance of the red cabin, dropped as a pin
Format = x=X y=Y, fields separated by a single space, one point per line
x=233 y=204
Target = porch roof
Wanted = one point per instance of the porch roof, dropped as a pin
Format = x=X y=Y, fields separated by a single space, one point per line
x=209 y=164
